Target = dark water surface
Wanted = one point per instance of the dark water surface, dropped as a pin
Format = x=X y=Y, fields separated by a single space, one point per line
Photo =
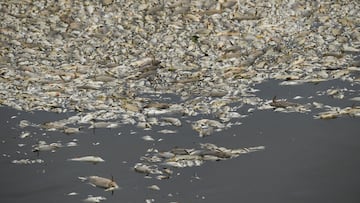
x=305 y=160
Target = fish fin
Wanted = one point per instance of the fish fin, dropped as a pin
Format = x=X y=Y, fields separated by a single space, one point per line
x=274 y=99
x=82 y=178
x=92 y=184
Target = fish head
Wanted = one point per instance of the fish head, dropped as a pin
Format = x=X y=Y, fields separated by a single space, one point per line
x=112 y=186
x=99 y=159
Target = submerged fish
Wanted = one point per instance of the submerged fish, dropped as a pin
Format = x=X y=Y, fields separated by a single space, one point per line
x=90 y=159
x=105 y=183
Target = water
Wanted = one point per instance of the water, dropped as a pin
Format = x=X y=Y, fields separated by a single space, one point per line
x=305 y=160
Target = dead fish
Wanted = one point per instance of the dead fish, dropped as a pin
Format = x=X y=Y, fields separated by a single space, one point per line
x=327 y=115
x=355 y=99
x=206 y=127
x=183 y=157
x=351 y=111
x=68 y=130
x=140 y=168
x=153 y=187
x=166 y=154
x=96 y=199
x=172 y=121
x=157 y=105
x=105 y=183
x=147 y=138
x=27 y=161
x=166 y=131
x=282 y=103
x=42 y=146
x=90 y=159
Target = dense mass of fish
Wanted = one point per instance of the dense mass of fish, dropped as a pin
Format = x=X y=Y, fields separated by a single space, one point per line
x=161 y=163
x=130 y=61
x=170 y=64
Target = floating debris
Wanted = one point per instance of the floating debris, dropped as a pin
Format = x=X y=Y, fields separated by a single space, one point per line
x=89 y=159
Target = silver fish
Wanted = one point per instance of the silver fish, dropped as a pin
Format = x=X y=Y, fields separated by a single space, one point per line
x=90 y=159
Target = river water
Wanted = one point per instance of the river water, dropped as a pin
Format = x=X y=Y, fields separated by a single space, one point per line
x=305 y=159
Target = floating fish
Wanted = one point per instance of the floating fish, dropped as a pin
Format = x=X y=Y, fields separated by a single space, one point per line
x=206 y=127
x=336 y=112
x=105 y=183
x=160 y=163
x=27 y=161
x=282 y=103
x=153 y=187
x=92 y=199
x=172 y=121
x=89 y=159
x=42 y=146
x=166 y=131
x=147 y=138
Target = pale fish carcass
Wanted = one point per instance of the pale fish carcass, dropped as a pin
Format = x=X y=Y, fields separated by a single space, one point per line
x=145 y=169
x=172 y=121
x=95 y=199
x=206 y=127
x=89 y=159
x=42 y=146
x=105 y=183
